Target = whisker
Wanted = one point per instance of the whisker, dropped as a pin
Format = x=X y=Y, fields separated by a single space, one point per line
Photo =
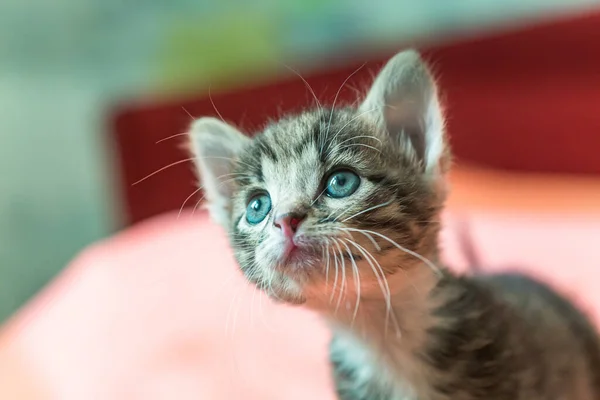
x=427 y=262
x=339 y=214
x=163 y=168
x=198 y=203
x=359 y=137
x=181 y=162
x=233 y=160
x=352 y=120
x=272 y=292
x=234 y=177
x=373 y=241
x=327 y=266
x=336 y=98
x=188 y=113
x=356 y=274
x=171 y=137
x=238 y=174
x=343 y=285
x=387 y=203
x=375 y=244
x=214 y=106
x=317 y=198
x=335 y=279
x=310 y=89
x=228 y=180
x=186 y=200
x=385 y=289
x=362 y=145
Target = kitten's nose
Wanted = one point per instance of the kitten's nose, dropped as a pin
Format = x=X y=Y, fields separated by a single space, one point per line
x=288 y=223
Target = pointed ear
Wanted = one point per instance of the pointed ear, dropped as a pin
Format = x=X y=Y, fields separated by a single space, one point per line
x=404 y=103
x=216 y=145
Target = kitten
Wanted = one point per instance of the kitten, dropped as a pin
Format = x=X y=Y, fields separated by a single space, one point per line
x=339 y=210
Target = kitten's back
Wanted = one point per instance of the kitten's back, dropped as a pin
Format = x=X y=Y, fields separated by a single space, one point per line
x=559 y=328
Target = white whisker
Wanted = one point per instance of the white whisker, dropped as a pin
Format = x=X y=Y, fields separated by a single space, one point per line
x=163 y=168
x=428 y=262
x=373 y=241
x=356 y=274
x=214 y=106
x=186 y=200
x=335 y=279
x=386 y=292
x=382 y=281
x=387 y=203
x=343 y=285
x=319 y=196
x=352 y=120
x=171 y=137
x=327 y=266
x=310 y=89
x=359 y=137
x=336 y=97
x=360 y=145
x=180 y=162
x=187 y=112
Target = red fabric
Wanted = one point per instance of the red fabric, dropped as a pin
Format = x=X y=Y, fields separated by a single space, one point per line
x=523 y=100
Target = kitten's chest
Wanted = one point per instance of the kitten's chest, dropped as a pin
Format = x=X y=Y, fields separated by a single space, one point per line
x=362 y=373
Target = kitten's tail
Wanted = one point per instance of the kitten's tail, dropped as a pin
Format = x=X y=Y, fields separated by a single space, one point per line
x=468 y=246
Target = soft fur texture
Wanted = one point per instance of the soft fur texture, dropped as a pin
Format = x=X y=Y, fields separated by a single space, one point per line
x=405 y=328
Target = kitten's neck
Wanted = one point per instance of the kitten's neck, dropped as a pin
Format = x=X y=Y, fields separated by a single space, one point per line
x=403 y=318
x=394 y=332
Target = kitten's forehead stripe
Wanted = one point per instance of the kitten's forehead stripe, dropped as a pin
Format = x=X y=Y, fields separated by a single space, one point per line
x=332 y=134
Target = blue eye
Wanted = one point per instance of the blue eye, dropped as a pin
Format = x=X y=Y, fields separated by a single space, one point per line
x=342 y=184
x=258 y=208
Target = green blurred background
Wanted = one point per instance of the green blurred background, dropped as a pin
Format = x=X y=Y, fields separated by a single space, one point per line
x=64 y=64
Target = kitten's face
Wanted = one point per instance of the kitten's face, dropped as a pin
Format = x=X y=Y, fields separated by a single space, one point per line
x=312 y=196
x=321 y=206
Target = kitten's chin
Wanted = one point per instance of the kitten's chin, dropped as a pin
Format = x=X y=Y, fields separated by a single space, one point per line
x=284 y=290
x=301 y=261
x=292 y=296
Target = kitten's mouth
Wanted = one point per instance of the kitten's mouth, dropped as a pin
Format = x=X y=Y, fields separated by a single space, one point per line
x=299 y=258
x=290 y=250
x=294 y=253
x=305 y=256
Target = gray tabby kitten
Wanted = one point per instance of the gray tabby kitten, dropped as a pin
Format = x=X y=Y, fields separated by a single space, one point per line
x=339 y=210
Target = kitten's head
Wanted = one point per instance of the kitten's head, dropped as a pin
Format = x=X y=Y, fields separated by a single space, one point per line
x=318 y=201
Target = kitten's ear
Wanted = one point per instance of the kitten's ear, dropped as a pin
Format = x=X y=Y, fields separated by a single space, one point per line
x=215 y=145
x=404 y=102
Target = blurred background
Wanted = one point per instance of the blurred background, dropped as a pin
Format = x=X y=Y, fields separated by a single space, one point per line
x=87 y=88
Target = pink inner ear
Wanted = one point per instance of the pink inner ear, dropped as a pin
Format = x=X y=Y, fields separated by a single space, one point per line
x=406 y=116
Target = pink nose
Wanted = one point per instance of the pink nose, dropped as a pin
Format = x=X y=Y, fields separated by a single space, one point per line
x=288 y=223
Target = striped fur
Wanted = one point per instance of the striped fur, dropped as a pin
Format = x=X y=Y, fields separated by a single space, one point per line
x=405 y=328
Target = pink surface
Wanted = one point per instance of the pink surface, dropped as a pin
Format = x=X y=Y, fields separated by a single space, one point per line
x=161 y=312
